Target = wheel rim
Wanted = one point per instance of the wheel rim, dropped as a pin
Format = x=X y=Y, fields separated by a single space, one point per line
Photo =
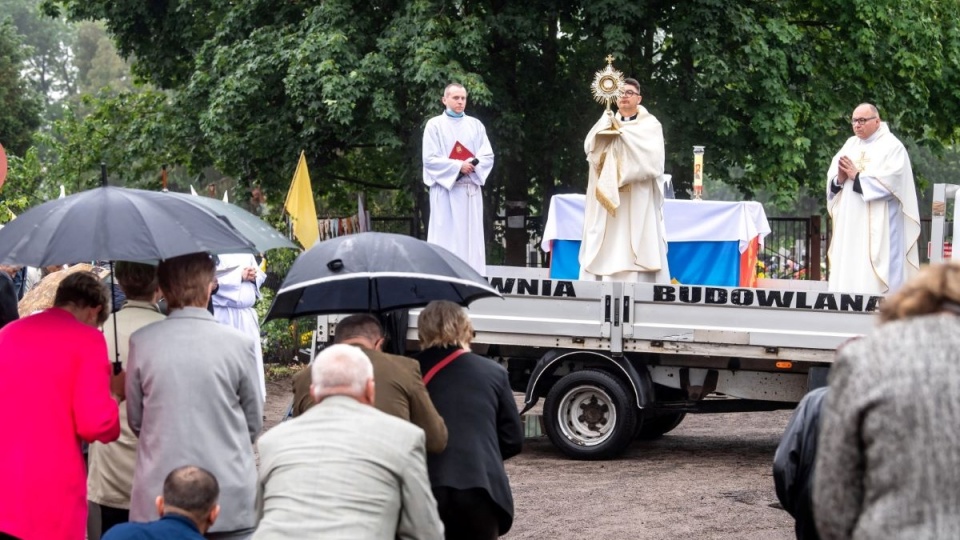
x=587 y=416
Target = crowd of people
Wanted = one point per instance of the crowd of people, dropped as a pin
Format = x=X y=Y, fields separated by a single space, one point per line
x=376 y=450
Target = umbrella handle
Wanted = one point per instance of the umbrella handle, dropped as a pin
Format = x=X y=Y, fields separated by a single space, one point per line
x=117 y=367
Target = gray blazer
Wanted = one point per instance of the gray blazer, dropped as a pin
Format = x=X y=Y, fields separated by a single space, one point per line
x=193 y=398
x=888 y=462
x=343 y=469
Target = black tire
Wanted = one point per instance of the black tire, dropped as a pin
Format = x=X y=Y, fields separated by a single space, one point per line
x=606 y=416
x=655 y=427
x=658 y=426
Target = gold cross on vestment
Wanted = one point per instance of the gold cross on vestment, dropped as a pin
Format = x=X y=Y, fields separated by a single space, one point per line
x=862 y=162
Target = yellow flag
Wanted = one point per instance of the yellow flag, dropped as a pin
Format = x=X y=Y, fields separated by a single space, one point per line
x=300 y=206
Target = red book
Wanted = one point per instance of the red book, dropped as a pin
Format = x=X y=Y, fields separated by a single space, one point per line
x=460 y=152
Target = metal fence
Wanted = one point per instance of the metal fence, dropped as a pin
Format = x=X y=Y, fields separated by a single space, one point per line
x=796 y=247
x=792 y=250
x=394 y=224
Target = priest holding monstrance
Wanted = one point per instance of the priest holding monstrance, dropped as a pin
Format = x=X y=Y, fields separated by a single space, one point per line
x=457 y=158
x=872 y=202
x=623 y=231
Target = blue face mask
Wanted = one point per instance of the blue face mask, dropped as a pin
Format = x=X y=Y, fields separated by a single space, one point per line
x=454 y=114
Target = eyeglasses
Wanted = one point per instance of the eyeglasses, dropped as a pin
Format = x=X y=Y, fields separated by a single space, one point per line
x=862 y=121
x=631 y=93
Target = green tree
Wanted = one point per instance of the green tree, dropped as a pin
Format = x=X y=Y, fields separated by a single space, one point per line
x=20 y=106
x=48 y=62
x=98 y=64
x=134 y=133
x=27 y=185
x=767 y=86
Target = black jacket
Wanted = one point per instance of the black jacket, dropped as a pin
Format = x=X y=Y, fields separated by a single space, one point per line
x=473 y=396
x=794 y=462
x=8 y=300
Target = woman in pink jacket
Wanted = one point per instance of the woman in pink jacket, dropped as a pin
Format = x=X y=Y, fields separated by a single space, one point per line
x=56 y=390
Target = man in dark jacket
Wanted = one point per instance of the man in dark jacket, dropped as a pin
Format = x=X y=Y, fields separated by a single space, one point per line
x=794 y=462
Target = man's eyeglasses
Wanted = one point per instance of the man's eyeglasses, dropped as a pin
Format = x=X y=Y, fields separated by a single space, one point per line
x=862 y=121
x=631 y=93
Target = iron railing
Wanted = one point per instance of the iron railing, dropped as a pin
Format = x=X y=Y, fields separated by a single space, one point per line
x=796 y=247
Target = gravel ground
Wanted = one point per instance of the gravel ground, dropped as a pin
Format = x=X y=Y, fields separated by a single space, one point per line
x=709 y=478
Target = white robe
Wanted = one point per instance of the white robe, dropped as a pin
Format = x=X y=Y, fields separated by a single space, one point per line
x=873 y=247
x=456 y=204
x=234 y=300
x=629 y=244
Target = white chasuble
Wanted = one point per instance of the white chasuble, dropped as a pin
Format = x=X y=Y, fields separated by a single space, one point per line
x=623 y=231
x=456 y=203
x=873 y=248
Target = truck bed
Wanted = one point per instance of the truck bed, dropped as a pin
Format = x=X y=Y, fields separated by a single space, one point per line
x=794 y=322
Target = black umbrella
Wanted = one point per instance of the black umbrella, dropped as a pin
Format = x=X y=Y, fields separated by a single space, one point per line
x=375 y=272
x=114 y=223
x=263 y=236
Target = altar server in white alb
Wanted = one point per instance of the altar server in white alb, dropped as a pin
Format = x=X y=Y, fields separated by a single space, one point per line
x=623 y=231
x=239 y=278
x=457 y=159
x=872 y=202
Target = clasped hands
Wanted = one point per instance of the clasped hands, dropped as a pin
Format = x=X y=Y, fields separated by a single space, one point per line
x=846 y=170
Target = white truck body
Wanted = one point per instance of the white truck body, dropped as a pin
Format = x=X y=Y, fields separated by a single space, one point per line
x=669 y=348
x=617 y=361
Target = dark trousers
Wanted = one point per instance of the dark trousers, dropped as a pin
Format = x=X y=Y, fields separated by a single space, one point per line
x=467 y=514
x=110 y=516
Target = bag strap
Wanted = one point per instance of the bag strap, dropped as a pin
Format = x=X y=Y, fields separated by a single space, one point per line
x=442 y=364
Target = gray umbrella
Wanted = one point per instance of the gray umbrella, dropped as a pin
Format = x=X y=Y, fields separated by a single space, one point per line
x=263 y=236
x=375 y=272
x=114 y=223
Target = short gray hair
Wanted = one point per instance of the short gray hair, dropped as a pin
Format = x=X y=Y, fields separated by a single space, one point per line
x=341 y=366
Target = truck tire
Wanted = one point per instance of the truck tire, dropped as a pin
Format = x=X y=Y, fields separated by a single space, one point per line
x=590 y=415
x=656 y=427
x=653 y=428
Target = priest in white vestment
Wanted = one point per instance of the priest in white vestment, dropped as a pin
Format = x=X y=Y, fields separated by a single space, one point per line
x=240 y=279
x=457 y=158
x=623 y=230
x=872 y=201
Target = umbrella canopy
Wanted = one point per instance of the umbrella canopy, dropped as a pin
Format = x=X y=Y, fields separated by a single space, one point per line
x=114 y=223
x=375 y=272
x=263 y=236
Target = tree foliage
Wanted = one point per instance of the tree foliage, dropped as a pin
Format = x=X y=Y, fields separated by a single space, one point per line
x=97 y=62
x=20 y=106
x=135 y=133
x=48 y=58
x=768 y=87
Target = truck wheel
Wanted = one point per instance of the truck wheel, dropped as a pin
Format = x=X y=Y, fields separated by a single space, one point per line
x=656 y=427
x=590 y=415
